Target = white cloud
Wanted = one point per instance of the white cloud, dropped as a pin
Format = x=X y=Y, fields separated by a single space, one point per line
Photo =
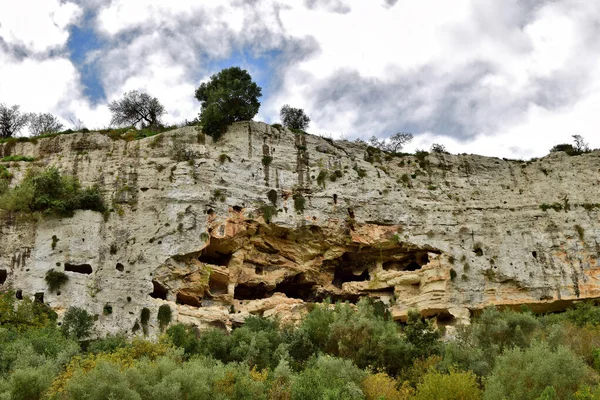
x=37 y=25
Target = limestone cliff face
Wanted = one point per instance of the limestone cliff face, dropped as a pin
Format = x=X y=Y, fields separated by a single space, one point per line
x=267 y=221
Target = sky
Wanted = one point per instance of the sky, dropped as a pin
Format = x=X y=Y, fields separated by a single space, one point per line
x=505 y=78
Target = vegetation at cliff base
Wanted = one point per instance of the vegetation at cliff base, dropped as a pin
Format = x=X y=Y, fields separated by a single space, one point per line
x=49 y=192
x=339 y=351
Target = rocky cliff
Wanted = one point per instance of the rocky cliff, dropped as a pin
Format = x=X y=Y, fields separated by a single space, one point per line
x=267 y=221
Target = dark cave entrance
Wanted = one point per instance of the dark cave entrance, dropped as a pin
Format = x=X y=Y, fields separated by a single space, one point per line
x=342 y=275
x=159 y=291
x=80 y=269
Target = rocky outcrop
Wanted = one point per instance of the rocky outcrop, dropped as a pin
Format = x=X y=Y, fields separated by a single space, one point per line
x=267 y=221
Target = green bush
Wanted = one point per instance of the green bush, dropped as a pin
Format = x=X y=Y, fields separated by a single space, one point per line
x=55 y=279
x=17 y=158
x=299 y=203
x=52 y=194
x=164 y=316
x=456 y=385
x=328 y=378
x=272 y=196
x=525 y=374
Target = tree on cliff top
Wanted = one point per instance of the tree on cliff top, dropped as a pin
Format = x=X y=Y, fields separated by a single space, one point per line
x=135 y=109
x=228 y=97
x=294 y=118
x=11 y=121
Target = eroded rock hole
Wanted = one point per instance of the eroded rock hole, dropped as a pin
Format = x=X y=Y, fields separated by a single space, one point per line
x=215 y=254
x=3 y=276
x=19 y=294
x=296 y=287
x=342 y=275
x=80 y=269
x=39 y=297
x=217 y=285
x=159 y=291
x=478 y=251
x=534 y=254
x=120 y=267
x=245 y=291
x=413 y=262
x=335 y=199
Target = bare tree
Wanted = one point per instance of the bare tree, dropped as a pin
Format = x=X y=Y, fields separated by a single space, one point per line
x=135 y=109
x=438 y=148
x=78 y=125
x=44 y=123
x=11 y=121
x=580 y=144
x=293 y=118
x=393 y=144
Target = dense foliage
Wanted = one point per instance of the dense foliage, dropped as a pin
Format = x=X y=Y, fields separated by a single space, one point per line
x=136 y=109
x=337 y=352
x=50 y=193
x=293 y=118
x=227 y=97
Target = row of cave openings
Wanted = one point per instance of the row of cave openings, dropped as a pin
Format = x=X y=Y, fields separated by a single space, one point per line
x=355 y=265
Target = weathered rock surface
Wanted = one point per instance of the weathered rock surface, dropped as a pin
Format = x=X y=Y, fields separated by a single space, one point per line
x=445 y=234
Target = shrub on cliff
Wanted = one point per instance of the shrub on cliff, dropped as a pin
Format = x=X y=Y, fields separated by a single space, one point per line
x=229 y=96
x=294 y=118
x=52 y=194
x=136 y=109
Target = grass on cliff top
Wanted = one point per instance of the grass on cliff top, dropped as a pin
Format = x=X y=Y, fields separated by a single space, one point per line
x=51 y=194
x=127 y=134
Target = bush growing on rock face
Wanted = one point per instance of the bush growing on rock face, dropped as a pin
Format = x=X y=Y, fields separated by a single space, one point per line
x=52 y=194
x=228 y=97
x=55 y=279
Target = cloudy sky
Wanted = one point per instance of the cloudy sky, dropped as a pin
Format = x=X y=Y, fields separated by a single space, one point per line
x=507 y=78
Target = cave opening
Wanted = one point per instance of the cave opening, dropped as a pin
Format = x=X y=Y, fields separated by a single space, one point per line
x=39 y=297
x=296 y=287
x=216 y=253
x=245 y=291
x=342 y=275
x=19 y=294
x=3 y=276
x=159 y=291
x=413 y=262
x=80 y=269
x=120 y=267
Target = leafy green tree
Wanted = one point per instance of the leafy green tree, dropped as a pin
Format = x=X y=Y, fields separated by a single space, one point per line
x=77 y=323
x=228 y=97
x=456 y=385
x=293 y=118
x=422 y=335
x=329 y=378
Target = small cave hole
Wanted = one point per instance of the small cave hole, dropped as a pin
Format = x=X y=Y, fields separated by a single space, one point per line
x=341 y=276
x=237 y=209
x=534 y=254
x=128 y=299
x=335 y=198
x=19 y=294
x=478 y=251
x=80 y=269
x=144 y=189
x=210 y=211
x=39 y=297
x=159 y=291
x=120 y=267
x=258 y=270
x=3 y=276
x=217 y=285
x=413 y=266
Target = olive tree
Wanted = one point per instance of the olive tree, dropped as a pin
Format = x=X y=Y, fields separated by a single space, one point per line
x=228 y=97
x=136 y=109
x=393 y=144
x=11 y=120
x=294 y=118
x=44 y=123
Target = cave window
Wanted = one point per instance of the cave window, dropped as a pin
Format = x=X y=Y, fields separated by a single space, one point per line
x=19 y=294
x=39 y=297
x=159 y=291
x=80 y=269
x=120 y=267
x=534 y=254
x=335 y=199
x=3 y=276
x=341 y=276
